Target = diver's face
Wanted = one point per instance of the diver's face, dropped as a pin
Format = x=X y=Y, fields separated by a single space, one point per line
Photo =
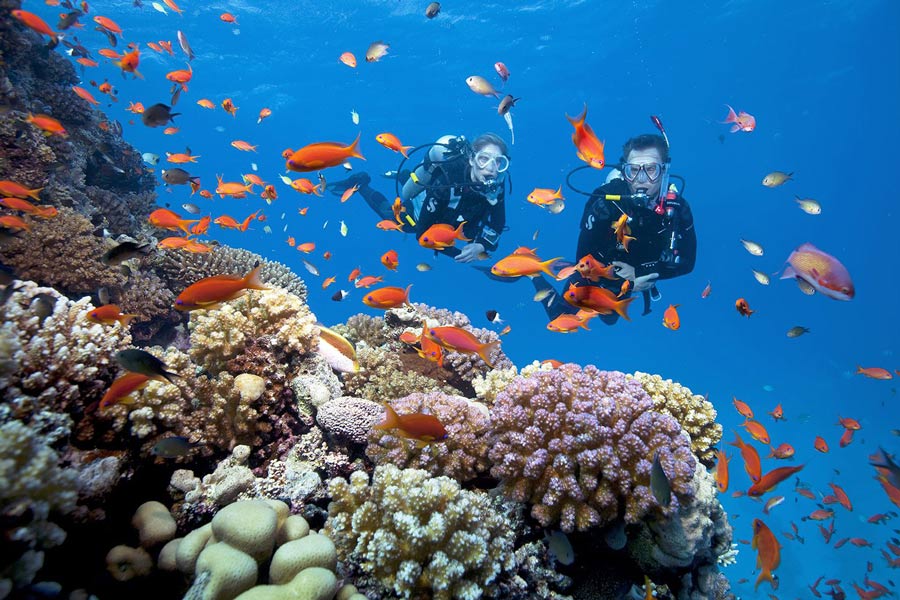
x=642 y=183
x=487 y=167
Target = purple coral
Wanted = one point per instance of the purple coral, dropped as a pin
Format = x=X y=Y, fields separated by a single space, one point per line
x=579 y=444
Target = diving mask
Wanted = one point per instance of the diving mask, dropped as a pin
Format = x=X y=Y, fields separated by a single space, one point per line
x=632 y=172
x=483 y=159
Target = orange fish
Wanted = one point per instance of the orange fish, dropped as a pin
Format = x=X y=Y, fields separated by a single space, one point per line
x=129 y=62
x=232 y=188
x=441 y=235
x=87 y=62
x=84 y=95
x=592 y=269
x=170 y=130
x=671 y=320
x=841 y=496
x=181 y=76
x=544 y=196
x=108 y=25
x=326 y=255
x=180 y=158
x=391 y=142
x=348 y=59
x=135 y=107
x=721 y=471
x=626 y=287
x=305 y=186
x=155 y=47
x=196 y=247
x=306 y=247
x=743 y=308
x=768 y=553
x=171 y=243
x=387 y=297
x=782 y=451
x=820 y=444
x=389 y=260
x=415 y=426
x=846 y=438
x=121 y=389
x=33 y=22
x=589 y=148
x=166 y=219
x=874 y=372
x=460 y=340
x=328 y=282
x=229 y=107
x=567 y=323
x=202 y=226
x=367 y=281
x=109 y=53
x=109 y=314
x=750 y=456
x=771 y=479
x=167 y=46
x=244 y=146
x=349 y=192
x=429 y=349
x=849 y=423
x=264 y=113
x=777 y=413
x=622 y=230
x=228 y=18
x=14 y=222
x=47 y=124
x=210 y=292
x=388 y=225
x=743 y=408
x=20 y=204
x=269 y=193
x=354 y=274
x=206 y=103
x=322 y=155
x=598 y=299
x=820 y=514
x=519 y=265
x=756 y=431
x=397 y=208
x=171 y=4
x=743 y=121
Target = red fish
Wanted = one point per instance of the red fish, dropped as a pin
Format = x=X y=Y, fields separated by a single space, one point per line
x=706 y=291
x=589 y=148
x=597 y=299
x=782 y=451
x=777 y=413
x=502 y=71
x=743 y=121
x=768 y=552
x=771 y=479
x=121 y=389
x=415 y=426
x=109 y=314
x=820 y=444
x=592 y=269
x=743 y=308
x=460 y=340
x=389 y=260
x=33 y=22
x=750 y=456
x=743 y=408
x=820 y=270
x=756 y=431
x=841 y=496
x=874 y=372
x=210 y=292
x=671 y=320
x=721 y=471
x=846 y=438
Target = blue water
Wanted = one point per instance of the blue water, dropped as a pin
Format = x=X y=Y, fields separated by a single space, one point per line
x=822 y=79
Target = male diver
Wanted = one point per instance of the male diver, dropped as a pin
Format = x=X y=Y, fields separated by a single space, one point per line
x=456 y=182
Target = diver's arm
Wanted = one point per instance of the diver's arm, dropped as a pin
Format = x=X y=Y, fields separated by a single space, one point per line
x=422 y=175
x=686 y=244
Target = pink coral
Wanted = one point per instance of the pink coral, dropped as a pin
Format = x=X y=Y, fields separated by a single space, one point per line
x=578 y=445
x=462 y=455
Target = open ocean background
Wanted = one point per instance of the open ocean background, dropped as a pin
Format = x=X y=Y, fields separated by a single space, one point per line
x=822 y=79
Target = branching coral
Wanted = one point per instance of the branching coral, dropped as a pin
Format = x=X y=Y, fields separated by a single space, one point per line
x=462 y=455
x=220 y=335
x=418 y=534
x=62 y=252
x=364 y=328
x=579 y=445
x=695 y=413
x=382 y=378
x=148 y=297
x=490 y=384
x=56 y=359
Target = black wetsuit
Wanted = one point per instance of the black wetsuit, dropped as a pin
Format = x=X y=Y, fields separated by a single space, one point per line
x=447 y=202
x=647 y=253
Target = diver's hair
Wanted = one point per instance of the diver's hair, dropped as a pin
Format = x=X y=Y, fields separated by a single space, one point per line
x=486 y=139
x=645 y=142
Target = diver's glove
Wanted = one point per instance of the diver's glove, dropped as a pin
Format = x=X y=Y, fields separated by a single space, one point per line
x=361 y=179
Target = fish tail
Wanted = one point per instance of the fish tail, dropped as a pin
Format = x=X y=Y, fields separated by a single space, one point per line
x=766 y=575
x=183 y=225
x=484 y=351
x=34 y=193
x=406 y=294
x=354 y=148
x=125 y=320
x=391 y=419
x=545 y=266
x=732 y=117
x=579 y=120
x=252 y=280
x=458 y=234
x=621 y=307
x=404 y=150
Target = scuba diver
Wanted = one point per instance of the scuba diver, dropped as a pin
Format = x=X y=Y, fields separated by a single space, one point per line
x=456 y=182
x=659 y=218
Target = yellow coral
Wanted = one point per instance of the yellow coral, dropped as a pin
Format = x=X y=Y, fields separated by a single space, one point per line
x=694 y=413
x=490 y=384
x=220 y=335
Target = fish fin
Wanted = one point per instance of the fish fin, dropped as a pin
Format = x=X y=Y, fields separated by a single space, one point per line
x=354 y=148
x=252 y=280
x=621 y=307
x=789 y=273
x=391 y=419
x=485 y=352
x=735 y=128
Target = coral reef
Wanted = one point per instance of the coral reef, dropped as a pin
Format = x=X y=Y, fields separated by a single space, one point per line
x=490 y=384
x=32 y=487
x=147 y=296
x=181 y=269
x=220 y=335
x=382 y=376
x=364 y=328
x=578 y=445
x=57 y=360
x=462 y=455
x=418 y=534
x=62 y=252
x=694 y=413
x=349 y=420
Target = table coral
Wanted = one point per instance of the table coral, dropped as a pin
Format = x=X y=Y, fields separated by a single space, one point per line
x=695 y=413
x=462 y=455
x=578 y=445
x=58 y=359
x=419 y=534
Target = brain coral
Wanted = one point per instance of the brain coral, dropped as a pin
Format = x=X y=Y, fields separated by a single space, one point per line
x=578 y=445
x=694 y=412
x=462 y=455
x=420 y=535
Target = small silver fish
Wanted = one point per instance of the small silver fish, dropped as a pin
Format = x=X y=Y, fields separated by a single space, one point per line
x=310 y=267
x=159 y=7
x=805 y=286
x=191 y=208
x=344 y=229
x=423 y=267
x=185 y=47
x=659 y=483
x=354 y=116
x=286 y=180
x=103 y=295
x=752 y=247
x=556 y=207
x=761 y=277
x=535 y=235
x=809 y=206
x=541 y=294
x=150 y=158
x=796 y=331
x=776 y=178
x=347 y=166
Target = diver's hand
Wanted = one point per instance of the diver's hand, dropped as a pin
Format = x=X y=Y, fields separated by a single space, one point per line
x=469 y=252
x=623 y=270
x=645 y=282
